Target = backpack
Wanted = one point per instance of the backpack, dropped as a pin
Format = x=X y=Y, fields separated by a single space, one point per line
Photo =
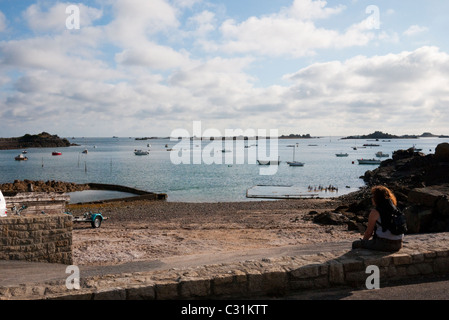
x=393 y=219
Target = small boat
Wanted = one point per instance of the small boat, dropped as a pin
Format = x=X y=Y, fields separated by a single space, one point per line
x=295 y=163
x=24 y=152
x=371 y=145
x=20 y=157
x=368 y=161
x=342 y=154
x=380 y=154
x=225 y=150
x=268 y=162
x=56 y=153
x=85 y=151
x=141 y=152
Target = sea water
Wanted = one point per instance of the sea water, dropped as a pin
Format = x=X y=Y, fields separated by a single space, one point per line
x=112 y=161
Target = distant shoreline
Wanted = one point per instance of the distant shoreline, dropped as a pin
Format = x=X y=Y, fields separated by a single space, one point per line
x=42 y=140
x=381 y=135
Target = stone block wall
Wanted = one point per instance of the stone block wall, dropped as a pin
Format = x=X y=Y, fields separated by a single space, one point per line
x=36 y=202
x=37 y=238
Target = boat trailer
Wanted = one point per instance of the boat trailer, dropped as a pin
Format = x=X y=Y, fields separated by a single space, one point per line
x=95 y=219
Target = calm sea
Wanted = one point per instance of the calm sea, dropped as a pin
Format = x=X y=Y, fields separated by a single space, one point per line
x=112 y=161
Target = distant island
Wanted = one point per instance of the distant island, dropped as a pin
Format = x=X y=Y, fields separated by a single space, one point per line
x=380 y=135
x=41 y=140
x=296 y=136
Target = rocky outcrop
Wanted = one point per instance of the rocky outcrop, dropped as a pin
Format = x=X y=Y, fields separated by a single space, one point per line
x=420 y=183
x=40 y=186
x=42 y=140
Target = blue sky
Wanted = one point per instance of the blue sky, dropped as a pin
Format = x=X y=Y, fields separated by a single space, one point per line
x=148 y=67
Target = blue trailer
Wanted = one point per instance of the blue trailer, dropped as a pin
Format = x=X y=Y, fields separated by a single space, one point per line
x=95 y=219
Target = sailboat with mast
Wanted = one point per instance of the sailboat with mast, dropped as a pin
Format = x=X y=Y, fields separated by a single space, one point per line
x=295 y=163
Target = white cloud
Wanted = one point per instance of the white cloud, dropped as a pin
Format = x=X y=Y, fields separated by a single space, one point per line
x=137 y=20
x=415 y=29
x=186 y=3
x=204 y=22
x=310 y=10
x=291 y=32
x=153 y=56
x=147 y=82
x=394 y=89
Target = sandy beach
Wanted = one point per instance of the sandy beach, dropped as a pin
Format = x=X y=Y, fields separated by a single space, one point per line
x=146 y=230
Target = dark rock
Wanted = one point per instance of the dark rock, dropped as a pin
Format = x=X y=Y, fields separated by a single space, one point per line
x=41 y=140
x=418 y=218
x=426 y=196
x=442 y=152
x=330 y=218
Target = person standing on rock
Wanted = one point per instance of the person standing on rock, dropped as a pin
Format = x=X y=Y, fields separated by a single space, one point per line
x=376 y=236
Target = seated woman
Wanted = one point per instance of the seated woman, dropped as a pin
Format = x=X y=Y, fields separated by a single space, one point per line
x=382 y=239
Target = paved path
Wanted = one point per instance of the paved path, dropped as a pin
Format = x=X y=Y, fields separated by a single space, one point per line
x=26 y=276
x=21 y=272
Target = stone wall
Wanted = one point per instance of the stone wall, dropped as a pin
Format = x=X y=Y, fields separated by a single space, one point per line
x=36 y=202
x=37 y=238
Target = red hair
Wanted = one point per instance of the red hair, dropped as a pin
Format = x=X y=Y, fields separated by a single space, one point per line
x=382 y=194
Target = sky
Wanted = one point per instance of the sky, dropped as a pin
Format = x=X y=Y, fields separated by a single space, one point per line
x=140 y=68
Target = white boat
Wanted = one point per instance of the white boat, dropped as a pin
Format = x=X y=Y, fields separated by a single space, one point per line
x=380 y=154
x=21 y=157
x=342 y=154
x=368 y=161
x=295 y=163
x=141 y=152
x=268 y=162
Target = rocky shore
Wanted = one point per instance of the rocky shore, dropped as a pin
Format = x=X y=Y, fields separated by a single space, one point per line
x=420 y=183
x=41 y=140
x=41 y=186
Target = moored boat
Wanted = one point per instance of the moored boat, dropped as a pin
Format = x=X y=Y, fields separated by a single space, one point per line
x=268 y=162
x=368 y=161
x=295 y=164
x=380 y=154
x=141 y=152
x=56 y=153
x=20 y=157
